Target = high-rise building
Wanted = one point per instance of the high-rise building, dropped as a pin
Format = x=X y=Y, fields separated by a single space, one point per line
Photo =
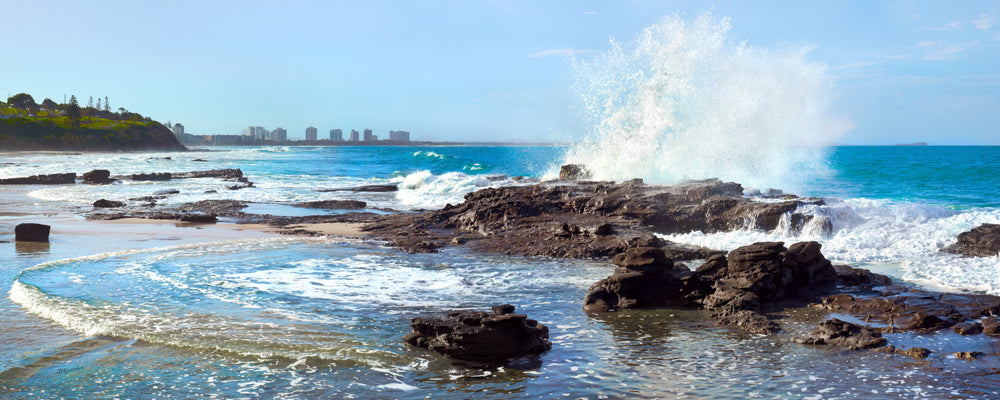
x=355 y=137
x=178 y=129
x=279 y=135
x=368 y=136
x=336 y=135
x=258 y=132
x=399 y=136
x=311 y=133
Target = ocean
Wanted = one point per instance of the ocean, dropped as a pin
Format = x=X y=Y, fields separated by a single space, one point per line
x=162 y=311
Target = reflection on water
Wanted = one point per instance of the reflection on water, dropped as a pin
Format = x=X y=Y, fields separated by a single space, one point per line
x=31 y=248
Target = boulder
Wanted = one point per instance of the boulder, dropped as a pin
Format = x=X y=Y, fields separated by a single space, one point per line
x=29 y=232
x=98 y=177
x=480 y=337
x=104 y=203
x=573 y=172
x=982 y=241
x=645 y=277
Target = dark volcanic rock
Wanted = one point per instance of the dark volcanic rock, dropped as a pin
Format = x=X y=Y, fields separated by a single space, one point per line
x=845 y=335
x=733 y=288
x=165 y=176
x=644 y=278
x=602 y=218
x=982 y=241
x=920 y=311
x=30 y=232
x=572 y=172
x=104 y=203
x=98 y=176
x=334 y=204
x=52 y=179
x=479 y=337
x=392 y=187
x=165 y=192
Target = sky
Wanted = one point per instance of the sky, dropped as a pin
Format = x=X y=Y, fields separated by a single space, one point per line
x=466 y=70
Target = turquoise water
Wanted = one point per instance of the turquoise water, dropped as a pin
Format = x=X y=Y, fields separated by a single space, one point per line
x=154 y=313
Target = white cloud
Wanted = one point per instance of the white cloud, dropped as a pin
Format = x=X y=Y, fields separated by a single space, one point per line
x=938 y=50
x=984 y=22
x=590 y=12
x=559 y=53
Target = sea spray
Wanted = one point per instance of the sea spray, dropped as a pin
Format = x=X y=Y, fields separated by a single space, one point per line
x=683 y=101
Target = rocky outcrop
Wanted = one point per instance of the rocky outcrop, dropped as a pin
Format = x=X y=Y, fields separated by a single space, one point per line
x=479 y=337
x=982 y=241
x=334 y=204
x=733 y=288
x=587 y=219
x=30 y=232
x=51 y=179
x=902 y=309
x=98 y=177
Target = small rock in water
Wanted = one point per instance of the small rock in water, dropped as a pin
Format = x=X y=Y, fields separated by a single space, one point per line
x=30 y=232
x=105 y=203
x=479 y=337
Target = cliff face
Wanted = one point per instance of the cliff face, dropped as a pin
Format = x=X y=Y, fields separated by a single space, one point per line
x=19 y=133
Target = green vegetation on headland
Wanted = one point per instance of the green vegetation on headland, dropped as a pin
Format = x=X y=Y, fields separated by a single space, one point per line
x=25 y=125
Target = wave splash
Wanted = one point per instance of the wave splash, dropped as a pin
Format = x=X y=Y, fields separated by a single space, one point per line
x=682 y=101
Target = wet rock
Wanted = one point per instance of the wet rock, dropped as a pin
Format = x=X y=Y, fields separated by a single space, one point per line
x=848 y=276
x=198 y=218
x=165 y=192
x=165 y=176
x=967 y=355
x=104 y=203
x=966 y=328
x=572 y=172
x=479 y=337
x=644 y=278
x=334 y=204
x=841 y=334
x=31 y=232
x=991 y=326
x=919 y=353
x=392 y=187
x=98 y=176
x=51 y=179
x=982 y=241
x=749 y=321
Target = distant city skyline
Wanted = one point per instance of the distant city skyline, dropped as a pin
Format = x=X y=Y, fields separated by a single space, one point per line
x=901 y=71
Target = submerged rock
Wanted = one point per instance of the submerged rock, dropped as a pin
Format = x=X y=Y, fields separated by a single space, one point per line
x=479 y=337
x=837 y=333
x=165 y=176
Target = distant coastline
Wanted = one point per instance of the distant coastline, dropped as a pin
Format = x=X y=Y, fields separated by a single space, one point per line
x=912 y=144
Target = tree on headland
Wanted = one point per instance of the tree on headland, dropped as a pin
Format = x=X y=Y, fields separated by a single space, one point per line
x=98 y=104
x=107 y=106
x=22 y=101
x=50 y=105
x=73 y=111
x=90 y=103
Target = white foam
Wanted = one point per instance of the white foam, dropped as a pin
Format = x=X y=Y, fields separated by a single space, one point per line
x=900 y=237
x=684 y=101
x=425 y=190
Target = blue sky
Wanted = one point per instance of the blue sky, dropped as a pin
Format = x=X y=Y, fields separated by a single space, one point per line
x=903 y=71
